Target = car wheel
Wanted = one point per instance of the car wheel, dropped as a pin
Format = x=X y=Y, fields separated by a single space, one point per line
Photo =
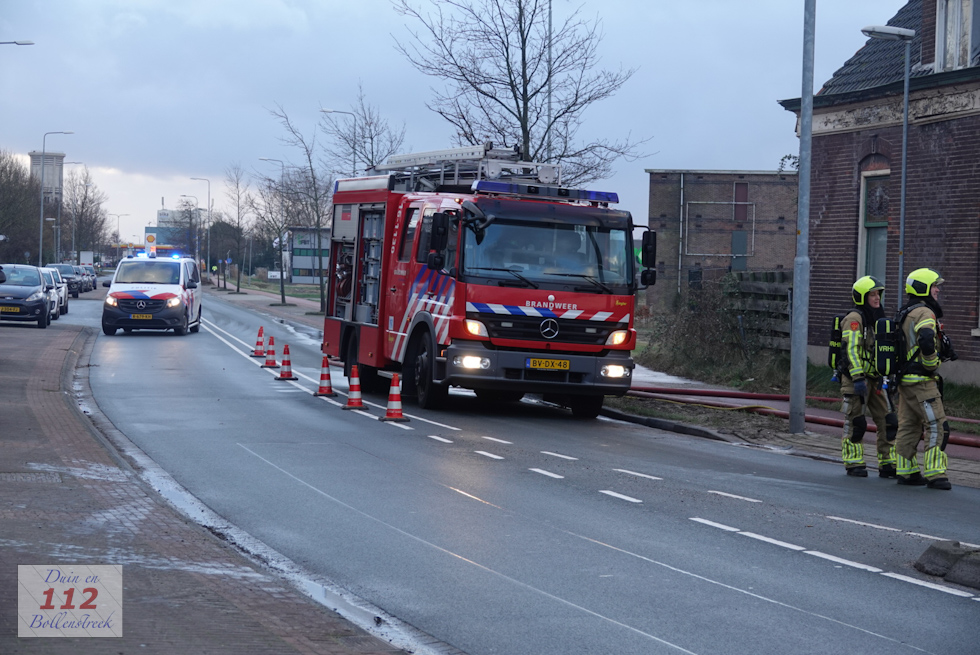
x=64 y=308
x=586 y=407
x=74 y=294
x=43 y=320
x=197 y=324
x=108 y=330
x=430 y=394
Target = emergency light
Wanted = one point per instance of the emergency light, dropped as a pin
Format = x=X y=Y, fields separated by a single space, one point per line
x=489 y=186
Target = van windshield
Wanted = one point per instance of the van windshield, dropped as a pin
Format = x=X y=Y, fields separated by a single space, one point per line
x=148 y=272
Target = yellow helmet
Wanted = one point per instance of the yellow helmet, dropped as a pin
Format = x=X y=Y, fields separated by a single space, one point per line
x=921 y=280
x=863 y=286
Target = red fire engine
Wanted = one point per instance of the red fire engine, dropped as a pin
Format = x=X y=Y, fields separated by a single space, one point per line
x=468 y=268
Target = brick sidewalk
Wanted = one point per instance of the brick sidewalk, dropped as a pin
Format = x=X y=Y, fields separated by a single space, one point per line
x=67 y=498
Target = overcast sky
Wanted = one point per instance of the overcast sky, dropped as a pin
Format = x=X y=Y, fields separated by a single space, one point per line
x=159 y=91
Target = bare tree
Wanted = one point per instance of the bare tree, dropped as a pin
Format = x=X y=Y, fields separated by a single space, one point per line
x=504 y=84
x=83 y=213
x=367 y=139
x=240 y=198
x=268 y=207
x=312 y=188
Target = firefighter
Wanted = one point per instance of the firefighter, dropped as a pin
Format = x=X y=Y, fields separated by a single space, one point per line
x=920 y=406
x=862 y=387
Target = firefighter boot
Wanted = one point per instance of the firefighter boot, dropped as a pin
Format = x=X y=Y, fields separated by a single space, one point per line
x=858 y=471
x=940 y=483
x=887 y=471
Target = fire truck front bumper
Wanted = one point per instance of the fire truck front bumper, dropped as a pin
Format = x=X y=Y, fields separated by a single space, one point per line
x=472 y=366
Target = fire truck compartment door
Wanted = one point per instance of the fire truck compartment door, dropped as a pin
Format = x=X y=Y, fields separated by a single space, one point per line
x=345 y=220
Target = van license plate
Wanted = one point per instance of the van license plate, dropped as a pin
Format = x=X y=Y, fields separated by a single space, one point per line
x=12 y=310
x=547 y=364
x=145 y=317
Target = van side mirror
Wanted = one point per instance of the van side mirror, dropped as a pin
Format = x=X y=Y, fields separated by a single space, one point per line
x=648 y=253
x=191 y=284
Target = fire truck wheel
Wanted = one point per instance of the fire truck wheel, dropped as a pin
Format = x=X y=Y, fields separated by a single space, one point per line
x=586 y=407
x=498 y=395
x=430 y=394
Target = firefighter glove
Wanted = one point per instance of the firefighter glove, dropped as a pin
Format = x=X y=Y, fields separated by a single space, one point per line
x=861 y=388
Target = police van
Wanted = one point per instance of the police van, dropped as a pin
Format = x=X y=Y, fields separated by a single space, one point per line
x=153 y=293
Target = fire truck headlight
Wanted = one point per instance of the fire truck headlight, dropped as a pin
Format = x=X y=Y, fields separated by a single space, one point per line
x=173 y=302
x=471 y=362
x=112 y=302
x=617 y=337
x=476 y=328
x=615 y=371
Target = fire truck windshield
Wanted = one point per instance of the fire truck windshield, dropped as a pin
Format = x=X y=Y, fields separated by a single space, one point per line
x=532 y=253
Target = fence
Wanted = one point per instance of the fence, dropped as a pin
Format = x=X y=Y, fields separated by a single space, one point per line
x=762 y=302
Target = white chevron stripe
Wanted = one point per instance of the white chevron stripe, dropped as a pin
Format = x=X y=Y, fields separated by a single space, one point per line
x=601 y=316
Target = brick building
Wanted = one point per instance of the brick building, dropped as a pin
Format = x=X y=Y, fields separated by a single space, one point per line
x=856 y=173
x=709 y=223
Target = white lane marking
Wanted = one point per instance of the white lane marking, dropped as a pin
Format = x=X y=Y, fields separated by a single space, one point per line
x=722 y=493
x=486 y=454
x=868 y=525
x=620 y=496
x=545 y=452
x=497 y=440
x=548 y=473
x=213 y=329
x=845 y=562
x=476 y=564
x=720 y=526
x=639 y=475
x=929 y=585
x=432 y=436
x=770 y=540
x=912 y=534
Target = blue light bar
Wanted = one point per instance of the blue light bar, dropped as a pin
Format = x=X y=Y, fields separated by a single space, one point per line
x=533 y=190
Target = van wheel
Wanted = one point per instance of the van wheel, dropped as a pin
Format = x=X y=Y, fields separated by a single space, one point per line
x=181 y=329
x=586 y=407
x=430 y=394
x=108 y=331
x=197 y=324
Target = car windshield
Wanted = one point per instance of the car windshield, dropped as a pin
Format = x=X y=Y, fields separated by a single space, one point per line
x=47 y=277
x=529 y=251
x=22 y=277
x=64 y=269
x=148 y=272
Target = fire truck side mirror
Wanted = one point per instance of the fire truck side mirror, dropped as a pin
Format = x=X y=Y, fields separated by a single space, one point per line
x=440 y=232
x=435 y=261
x=648 y=277
x=648 y=254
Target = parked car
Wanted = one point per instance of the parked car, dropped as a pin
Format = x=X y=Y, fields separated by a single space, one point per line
x=150 y=293
x=88 y=283
x=69 y=275
x=54 y=297
x=62 y=290
x=24 y=294
x=93 y=274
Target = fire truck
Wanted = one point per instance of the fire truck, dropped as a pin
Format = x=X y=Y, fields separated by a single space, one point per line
x=469 y=268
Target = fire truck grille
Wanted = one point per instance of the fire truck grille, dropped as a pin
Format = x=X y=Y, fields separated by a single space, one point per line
x=528 y=328
x=152 y=306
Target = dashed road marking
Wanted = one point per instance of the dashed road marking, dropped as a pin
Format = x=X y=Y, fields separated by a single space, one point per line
x=545 y=452
x=443 y=440
x=497 y=440
x=639 y=475
x=845 y=562
x=722 y=493
x=548 y=473
x=770 y=540
x=928 y=585
x=720 y=526
x=620 y=496
x=486 y=454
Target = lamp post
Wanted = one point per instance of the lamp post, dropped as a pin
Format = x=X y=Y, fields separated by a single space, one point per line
x=282 y=208
x=197 y=242
x=118 y=235
x=204 y=179
x=889 y=33
x=353 y=145
x=16 y=43
x=40 y=244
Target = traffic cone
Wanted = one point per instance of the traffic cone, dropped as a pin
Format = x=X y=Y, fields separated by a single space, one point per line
x=394 y=411
x=325 y=388
x=259 y=348
x=270 y=354
x=287 y=368
x=354 y=399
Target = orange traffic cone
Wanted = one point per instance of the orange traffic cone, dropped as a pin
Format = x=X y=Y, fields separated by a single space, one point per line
x=325 y=388
x=270 y=354
x=394 y=411
x=287 y=368
x=354 y=399
x=259 y=348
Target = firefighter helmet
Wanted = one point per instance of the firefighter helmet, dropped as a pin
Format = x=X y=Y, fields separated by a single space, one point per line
x=921 y=281
x=865 y=285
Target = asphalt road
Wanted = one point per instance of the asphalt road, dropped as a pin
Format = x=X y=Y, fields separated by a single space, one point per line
x=517 y=529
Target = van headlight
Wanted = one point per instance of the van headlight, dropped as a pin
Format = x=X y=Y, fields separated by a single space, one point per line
x=173 y=302
x=617 y=337
x=112 y=302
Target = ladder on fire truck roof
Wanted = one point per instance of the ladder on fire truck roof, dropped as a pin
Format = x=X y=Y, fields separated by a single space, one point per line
x=429 y=171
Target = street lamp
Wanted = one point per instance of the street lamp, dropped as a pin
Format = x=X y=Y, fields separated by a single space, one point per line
x=353 y=145
x=40 y=243
x=118 y=234
x=889 y=33
x=204 y=179
x=16 y=43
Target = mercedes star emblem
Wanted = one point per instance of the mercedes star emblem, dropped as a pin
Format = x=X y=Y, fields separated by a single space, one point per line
x=140 y=304
x=549 y=328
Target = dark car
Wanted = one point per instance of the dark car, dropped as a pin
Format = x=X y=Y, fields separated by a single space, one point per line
x=70 y=276
x=23 y=294
x=87 y=281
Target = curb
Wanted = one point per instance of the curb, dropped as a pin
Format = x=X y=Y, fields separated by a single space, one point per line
x=670 y=426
